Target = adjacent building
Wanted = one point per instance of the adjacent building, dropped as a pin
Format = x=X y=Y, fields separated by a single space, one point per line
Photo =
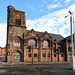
x=2 y=52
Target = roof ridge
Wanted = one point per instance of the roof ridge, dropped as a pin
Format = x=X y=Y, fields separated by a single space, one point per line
x=43 y=32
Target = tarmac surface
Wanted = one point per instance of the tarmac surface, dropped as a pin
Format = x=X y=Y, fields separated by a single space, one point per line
x=36 y=69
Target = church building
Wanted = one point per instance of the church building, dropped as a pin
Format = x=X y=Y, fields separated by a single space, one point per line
x=31 y=45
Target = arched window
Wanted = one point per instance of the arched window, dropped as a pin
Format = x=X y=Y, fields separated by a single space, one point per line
x=46 y=44
x=32 y=42
x=17 y=43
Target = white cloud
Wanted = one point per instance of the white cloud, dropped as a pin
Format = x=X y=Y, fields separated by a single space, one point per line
x=3 y=30
x=46 y=0
x=51 y=6
x=55 y=0
x=43 y=0
x=63 y=30
x=67 y=1
x=53 y=22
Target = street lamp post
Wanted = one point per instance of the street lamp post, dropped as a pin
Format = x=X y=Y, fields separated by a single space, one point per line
x=71 y=35
x=72 y=58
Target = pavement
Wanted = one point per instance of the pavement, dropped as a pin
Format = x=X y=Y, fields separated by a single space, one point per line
x=36 y=69
x=25 y=63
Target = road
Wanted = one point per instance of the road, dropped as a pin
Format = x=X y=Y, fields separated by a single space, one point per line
x=47 y=69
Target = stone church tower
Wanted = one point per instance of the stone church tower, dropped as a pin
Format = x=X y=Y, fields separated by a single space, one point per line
x=16 y=27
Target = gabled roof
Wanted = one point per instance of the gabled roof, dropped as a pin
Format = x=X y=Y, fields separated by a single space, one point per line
x=58 y=37
x=69 y=38
x=54 y=36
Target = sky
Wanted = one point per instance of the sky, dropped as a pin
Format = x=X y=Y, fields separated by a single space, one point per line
x=41 y=15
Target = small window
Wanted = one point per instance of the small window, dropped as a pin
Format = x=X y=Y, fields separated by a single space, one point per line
x=54 y=55
x=29 y=55
x=61 y=55
x=8 y=53
x=44 y=55
x=29 y=49
x=48 y=55
x=18 y=21
x=35 y=55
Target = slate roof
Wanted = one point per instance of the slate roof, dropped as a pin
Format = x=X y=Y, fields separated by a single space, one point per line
x=69 y=38
x=54 y=36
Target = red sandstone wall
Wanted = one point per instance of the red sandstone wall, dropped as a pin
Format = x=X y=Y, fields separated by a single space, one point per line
x=2 y=52
x=17 y=31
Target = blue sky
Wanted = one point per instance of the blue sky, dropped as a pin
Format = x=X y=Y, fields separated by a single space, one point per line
x=41 y=15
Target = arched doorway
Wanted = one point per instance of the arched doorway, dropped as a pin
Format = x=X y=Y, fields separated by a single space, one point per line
x=17 y=56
